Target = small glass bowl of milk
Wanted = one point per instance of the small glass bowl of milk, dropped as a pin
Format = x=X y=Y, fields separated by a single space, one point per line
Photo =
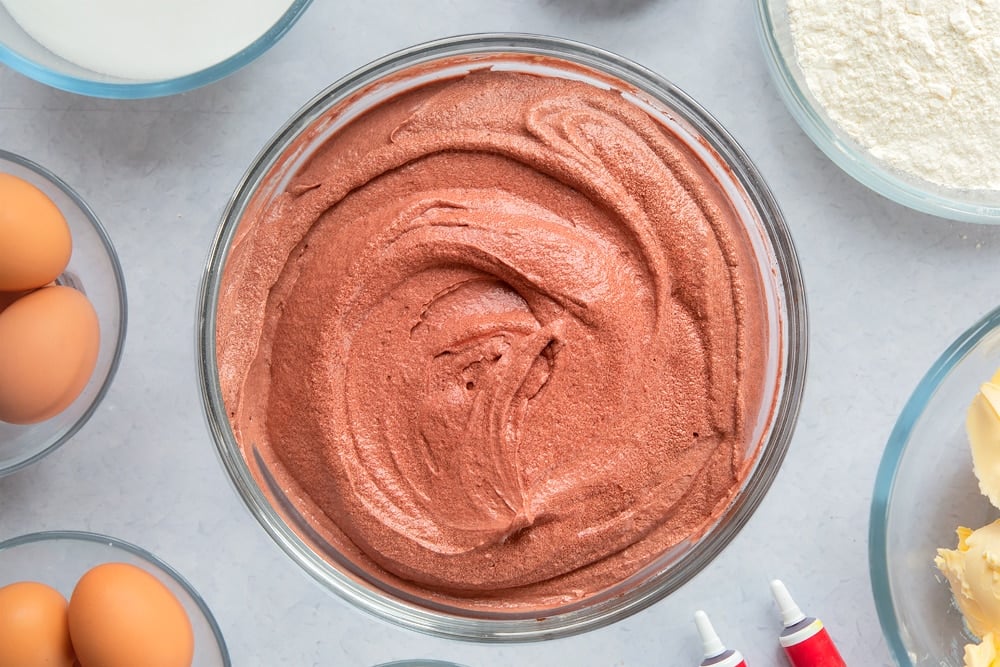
x=132 y=49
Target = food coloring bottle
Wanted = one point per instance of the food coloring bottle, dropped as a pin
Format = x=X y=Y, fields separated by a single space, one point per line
x=716 y=655
x=805 y=640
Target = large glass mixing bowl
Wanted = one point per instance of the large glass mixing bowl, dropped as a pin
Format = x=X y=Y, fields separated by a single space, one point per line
x=770 y=246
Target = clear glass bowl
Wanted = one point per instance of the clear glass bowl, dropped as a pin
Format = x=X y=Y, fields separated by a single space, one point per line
x=20 y=51
x=768 y=236
x=779 y=51
x=93 y=269
x=59 y=558
x=925 y=488
x=419 y=663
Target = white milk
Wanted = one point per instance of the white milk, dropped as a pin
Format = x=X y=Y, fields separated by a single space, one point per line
x=145 y=39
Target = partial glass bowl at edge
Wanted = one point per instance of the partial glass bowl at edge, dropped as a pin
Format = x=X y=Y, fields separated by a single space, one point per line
x=925 y=488
x=779 y=51
x=768 y=235
x=93 y=269
x=59 y=558
x=21 y=52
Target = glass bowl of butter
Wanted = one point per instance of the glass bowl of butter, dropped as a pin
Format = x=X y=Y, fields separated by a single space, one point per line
x=932 y=523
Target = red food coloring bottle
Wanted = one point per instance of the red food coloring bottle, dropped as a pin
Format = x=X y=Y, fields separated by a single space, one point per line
x=805 y=640
x=716 y=655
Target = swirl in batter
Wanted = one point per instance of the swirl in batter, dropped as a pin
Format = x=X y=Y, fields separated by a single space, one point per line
x=501 y=340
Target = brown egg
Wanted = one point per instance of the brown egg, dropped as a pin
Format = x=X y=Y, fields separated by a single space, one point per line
x=122 y=616
x=7 y=298
x=33 y=627
x=49 y=342
x=35 y=242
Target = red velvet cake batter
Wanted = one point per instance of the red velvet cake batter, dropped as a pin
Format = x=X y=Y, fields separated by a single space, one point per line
x=501 y=340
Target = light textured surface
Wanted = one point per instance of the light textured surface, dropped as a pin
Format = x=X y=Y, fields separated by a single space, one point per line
x=888 y=290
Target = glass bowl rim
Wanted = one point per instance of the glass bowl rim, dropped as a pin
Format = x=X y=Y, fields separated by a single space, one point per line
x=119 y=278
x=124 y=90
x=878 y=561
x=107 y=540
x=791 y=300
x=856 y=163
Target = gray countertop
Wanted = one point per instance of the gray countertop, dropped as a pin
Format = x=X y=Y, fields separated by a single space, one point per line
x=888 y=289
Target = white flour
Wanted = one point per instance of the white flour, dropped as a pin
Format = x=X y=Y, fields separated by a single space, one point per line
x=916 y=82
x=145 y=39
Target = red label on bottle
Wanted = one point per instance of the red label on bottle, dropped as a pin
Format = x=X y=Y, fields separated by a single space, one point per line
x=733 y=659
x=816 y=651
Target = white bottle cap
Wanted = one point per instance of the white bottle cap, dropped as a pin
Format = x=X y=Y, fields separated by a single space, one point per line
x=710 y=641
x=790 y=612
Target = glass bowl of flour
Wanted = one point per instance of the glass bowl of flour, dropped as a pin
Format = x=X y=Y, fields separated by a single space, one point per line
x=114 y=49
x=901 y=94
